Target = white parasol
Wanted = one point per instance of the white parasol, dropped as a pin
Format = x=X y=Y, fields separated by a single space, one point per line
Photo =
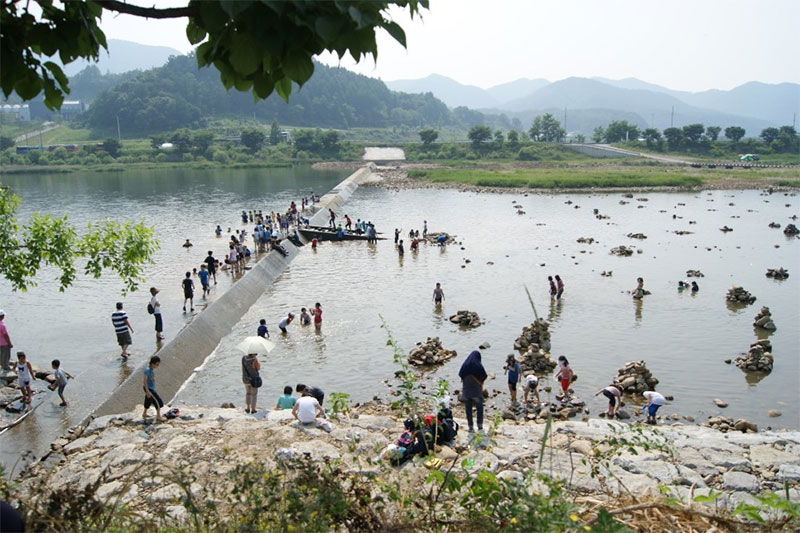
x=256 y=345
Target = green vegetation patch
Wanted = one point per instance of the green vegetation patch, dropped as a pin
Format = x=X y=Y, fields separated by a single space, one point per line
x=577 y=178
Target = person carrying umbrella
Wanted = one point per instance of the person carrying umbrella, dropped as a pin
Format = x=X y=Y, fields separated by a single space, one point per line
x=252 y=347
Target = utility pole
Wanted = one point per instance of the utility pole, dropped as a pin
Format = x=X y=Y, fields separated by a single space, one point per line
x=672 y=117
x=119 y=134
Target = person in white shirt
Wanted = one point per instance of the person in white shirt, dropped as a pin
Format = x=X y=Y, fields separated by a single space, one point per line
x=654 y=401
x=531 y=387
x=157 y=313
x=308 y=411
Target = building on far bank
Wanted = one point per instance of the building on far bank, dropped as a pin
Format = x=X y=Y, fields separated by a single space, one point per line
x=16 y=111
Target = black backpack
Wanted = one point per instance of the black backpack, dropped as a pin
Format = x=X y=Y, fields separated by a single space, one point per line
x=150 y=309
x=448 y=428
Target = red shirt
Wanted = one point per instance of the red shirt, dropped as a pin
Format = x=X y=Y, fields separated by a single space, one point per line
x=317 y=316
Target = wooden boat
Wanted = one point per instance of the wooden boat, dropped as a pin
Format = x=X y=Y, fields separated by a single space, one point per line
x=326 y=233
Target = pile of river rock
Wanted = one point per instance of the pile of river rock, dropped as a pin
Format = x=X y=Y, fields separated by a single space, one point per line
x=10 y=393
x=758 y=359
x=637 y=235
x=737 y=294
x=635 y=378
x=791 y=229
x=764 y=319
x=430 y=352
x=537 y=333
x=622 y=251
x=726 y=423
x=467 y=319
x=777 y=273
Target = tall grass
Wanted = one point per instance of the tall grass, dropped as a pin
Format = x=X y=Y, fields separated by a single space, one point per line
x=572 y=178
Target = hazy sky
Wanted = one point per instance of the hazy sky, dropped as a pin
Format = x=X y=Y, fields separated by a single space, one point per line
x=682 y=44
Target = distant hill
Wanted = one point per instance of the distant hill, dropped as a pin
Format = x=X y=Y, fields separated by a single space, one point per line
x=447 y=90
x=124 y=56
x=181 y=95
x=515 y=89
x=654 y=107
x=775 y=103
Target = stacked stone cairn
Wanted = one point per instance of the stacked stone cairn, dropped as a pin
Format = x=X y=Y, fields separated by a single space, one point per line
x=586 y=240
x=737 y=294
x=467 y=319
x=758 y=359
x=695 y=274
x=430 y=352
x=764 y=319
x=622 y=251
x=791 y=229
x=534 y=347
x=635 y=378
x=777 y=273
x=726 y=423
x=637 y=235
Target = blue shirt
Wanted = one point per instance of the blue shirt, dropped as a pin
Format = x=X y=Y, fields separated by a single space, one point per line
x=151 y=377
x=513 y=373
x=262 y=331
x=203 y=274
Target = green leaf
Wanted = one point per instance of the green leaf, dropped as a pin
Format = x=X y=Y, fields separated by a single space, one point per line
x=397 y=33
x=195 y=33
x=58 y=74
x=284 y=88
x=262 y=87
x=327 y=28
x=355 y=14
x=234 y=7
x=243 y=55
x=298 y=66
x=28 y=86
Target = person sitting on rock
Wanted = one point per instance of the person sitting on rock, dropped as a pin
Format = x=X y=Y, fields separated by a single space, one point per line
x=307 y=410
x=187 y=244
x=614 y=396
x=654 y=401
x=639 y=291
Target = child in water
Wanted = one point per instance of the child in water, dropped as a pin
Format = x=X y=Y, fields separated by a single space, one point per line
x=564 y=375
x=695 y=288
x=512 y=368
x=681 y=286
x=61 y=380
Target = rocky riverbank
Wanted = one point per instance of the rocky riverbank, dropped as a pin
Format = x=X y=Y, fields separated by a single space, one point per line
x=135 y=463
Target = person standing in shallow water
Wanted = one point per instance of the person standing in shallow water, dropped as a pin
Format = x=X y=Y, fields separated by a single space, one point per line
x=317 y=313
x=472 y=376
x=553 y=289
x=5 y=344
x=438 y=295
x=559 y=286
x=157 y=313
x=638 y=292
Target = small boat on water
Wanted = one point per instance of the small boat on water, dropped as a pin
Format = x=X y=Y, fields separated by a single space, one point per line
x=326 y=233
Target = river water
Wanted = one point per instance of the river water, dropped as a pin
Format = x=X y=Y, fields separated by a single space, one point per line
x=684 y=338
x=75 y=326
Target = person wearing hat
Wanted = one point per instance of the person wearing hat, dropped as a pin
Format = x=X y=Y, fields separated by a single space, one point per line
x=5 y=344
x=156 y=305
x=285 y=322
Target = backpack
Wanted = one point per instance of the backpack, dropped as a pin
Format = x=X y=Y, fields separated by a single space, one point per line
x=256 y=382
x=405 y=440
x=447 y=427
x=150 y=309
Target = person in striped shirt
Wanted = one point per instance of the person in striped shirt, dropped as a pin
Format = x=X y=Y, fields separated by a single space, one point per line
x=123 y=329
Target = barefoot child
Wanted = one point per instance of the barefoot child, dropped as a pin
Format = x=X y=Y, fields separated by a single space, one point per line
x=24 y=377
x=512 y=368
x=151 y=397
x=61 y=380
x=564 y=375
